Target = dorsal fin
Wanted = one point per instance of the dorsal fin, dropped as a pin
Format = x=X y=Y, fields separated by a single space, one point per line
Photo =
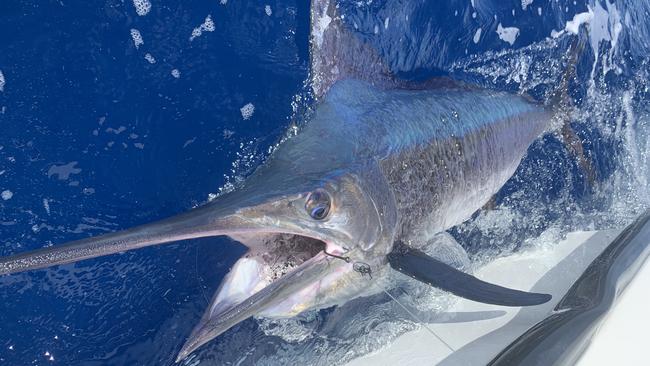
x=338 y=52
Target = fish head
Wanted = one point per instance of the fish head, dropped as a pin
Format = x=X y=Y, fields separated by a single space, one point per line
x=320 y=243
x=318 y=224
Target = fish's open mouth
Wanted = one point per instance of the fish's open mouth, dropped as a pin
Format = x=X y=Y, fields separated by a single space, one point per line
x=283 y=253
x=271 y=258
x=270 y=280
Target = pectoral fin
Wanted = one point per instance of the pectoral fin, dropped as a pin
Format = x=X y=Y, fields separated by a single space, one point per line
x=424 y=268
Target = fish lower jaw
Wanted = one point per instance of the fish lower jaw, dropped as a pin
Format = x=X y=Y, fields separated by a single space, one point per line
x=280 y=255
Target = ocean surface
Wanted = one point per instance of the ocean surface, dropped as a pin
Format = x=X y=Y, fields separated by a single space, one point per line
x=115 y=113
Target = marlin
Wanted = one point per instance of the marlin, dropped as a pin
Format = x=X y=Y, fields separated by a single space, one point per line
x=380 y=167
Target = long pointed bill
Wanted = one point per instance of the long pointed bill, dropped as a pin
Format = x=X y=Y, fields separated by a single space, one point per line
x=213 y=219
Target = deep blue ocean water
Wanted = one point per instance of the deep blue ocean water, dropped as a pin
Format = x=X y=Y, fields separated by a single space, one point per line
x=95 y=137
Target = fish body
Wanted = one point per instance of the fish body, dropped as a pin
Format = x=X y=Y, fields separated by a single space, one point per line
x=444 y=151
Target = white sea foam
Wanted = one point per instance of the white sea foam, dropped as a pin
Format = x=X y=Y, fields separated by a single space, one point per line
x=46 y=205
x=604 y=25
x=247 y=111
x=508 y=34
x=322 y=22
x=142 y=7
x=206 y=26
x=477 y=35
x=247 y=158
x=137 y=38
x=573 y=26
x=6 y=195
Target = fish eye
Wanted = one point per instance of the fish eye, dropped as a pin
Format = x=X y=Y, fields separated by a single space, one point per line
x=318 y=204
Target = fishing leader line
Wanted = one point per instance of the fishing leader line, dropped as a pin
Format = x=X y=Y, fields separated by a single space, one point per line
x=417 y=319
x=364 y=269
